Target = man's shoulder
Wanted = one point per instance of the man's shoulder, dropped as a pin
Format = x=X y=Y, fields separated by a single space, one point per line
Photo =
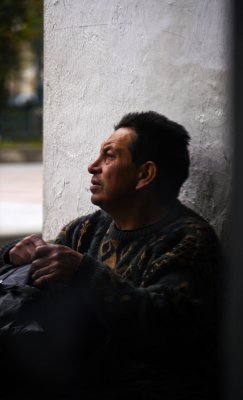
x=94 y=222
x=94 y=218
x=81 y=225
x=188 y=220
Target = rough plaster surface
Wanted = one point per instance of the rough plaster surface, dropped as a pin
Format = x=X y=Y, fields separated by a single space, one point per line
x=108 y=57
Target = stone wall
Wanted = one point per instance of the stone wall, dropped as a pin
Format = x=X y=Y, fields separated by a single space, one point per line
x=108 y=57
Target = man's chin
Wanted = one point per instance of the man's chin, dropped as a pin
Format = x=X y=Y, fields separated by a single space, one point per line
x=96 y=200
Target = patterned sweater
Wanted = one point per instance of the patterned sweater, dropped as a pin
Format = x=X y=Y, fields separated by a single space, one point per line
x=151 y=296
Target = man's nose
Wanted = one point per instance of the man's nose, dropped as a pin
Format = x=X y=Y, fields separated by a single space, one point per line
x=94 y=166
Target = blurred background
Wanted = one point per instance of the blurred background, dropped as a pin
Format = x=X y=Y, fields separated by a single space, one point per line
x=21 y=98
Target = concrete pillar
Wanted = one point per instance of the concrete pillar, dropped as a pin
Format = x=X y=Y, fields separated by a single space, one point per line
x=104 y=58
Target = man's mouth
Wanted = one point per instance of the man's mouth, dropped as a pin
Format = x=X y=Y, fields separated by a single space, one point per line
x=95 y=181
x=95 y=184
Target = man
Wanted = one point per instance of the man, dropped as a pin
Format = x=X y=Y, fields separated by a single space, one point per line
x=143 y=266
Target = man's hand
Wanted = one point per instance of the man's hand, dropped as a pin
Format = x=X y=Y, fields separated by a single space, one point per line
x=23 y=252
x=54 y=263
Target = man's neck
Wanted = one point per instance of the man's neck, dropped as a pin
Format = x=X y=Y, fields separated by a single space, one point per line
x=139 y=217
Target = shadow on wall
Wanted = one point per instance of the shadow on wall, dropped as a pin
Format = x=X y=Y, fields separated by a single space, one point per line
x=208 y=192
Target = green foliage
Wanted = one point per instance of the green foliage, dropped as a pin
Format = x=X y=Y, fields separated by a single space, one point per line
x=20 y=20
x=26 y=144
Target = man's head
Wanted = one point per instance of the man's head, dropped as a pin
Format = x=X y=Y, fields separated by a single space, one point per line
x=146 y=152
x=164 y=142
x=114 y=173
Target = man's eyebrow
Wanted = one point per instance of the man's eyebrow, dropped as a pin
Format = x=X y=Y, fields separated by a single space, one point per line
x=106 y=145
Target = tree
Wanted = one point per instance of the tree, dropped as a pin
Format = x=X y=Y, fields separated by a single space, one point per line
x=19 y=21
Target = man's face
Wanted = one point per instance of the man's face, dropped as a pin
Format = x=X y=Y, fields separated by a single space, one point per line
x=114 y=173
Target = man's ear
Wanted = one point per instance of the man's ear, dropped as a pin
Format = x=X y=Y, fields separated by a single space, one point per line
x=146 y=174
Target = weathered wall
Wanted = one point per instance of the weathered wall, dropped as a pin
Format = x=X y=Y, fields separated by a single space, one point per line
x=104 y=58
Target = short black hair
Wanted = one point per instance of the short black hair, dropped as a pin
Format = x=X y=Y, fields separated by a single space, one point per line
x=164 y=142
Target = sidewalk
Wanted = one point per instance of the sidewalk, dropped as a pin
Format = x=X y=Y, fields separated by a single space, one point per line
x=22 y=154
x=20 y=200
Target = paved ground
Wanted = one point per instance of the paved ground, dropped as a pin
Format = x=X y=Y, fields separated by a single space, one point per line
x=20 y=199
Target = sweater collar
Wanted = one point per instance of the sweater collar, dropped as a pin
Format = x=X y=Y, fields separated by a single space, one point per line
x=127 y=235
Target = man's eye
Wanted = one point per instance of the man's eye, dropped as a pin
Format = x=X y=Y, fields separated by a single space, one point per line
x=109 y=154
